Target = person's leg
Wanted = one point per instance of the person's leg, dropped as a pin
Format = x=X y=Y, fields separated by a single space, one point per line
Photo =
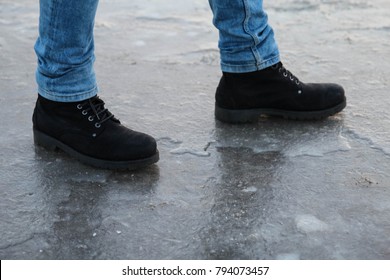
x=246 y=40
x=254 y=81
x=68 y=115
x=65 y=50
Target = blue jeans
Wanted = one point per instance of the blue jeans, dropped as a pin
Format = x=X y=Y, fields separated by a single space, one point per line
x=65 y=46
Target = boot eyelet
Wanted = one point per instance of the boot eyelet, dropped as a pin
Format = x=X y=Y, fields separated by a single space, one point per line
x=285 y=74
x=90 y=118
x=299 y=91
x=84 y=112
x=79 y=106
x=98 y=125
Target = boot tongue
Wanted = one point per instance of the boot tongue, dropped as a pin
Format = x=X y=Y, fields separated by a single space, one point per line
x=278 y=66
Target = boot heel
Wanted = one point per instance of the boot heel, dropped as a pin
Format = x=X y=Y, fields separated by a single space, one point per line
x=43 y=140
x=236 y=116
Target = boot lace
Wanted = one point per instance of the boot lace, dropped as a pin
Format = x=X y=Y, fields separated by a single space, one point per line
x=287 y=74
x=96 y=106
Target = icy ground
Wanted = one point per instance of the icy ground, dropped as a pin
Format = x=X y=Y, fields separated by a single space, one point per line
x=272 y=190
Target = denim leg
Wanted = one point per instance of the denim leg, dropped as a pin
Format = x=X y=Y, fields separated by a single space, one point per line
x=65 y=50
x=246 y=41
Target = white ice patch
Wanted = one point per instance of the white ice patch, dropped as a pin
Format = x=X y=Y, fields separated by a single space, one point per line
x=309 y=223
x=250 y=190
x=139 y=43
x=320 y=147
x=288 y=256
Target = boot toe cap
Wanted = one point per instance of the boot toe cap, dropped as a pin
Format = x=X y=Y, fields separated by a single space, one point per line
x=335 y=95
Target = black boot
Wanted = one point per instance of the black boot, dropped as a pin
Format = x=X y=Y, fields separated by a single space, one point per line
x=87 y=131
x=274 y=91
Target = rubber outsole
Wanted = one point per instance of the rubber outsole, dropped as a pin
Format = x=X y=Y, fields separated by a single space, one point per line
x=50 y=143
x=253 y=115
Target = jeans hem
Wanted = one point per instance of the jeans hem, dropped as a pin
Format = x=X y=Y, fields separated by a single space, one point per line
x=65 y=97
x=249 y=67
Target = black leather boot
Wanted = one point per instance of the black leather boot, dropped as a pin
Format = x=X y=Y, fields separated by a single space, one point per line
x=87 y=131
x=274 y=91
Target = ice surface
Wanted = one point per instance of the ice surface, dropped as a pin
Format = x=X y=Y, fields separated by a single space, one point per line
x=275 y=189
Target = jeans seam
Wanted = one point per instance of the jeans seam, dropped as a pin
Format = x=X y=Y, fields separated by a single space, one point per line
x=247 y=31
x=53 y=16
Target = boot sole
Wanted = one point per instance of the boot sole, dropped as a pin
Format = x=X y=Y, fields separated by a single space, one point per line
x=53 y=144
x=252 y=115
